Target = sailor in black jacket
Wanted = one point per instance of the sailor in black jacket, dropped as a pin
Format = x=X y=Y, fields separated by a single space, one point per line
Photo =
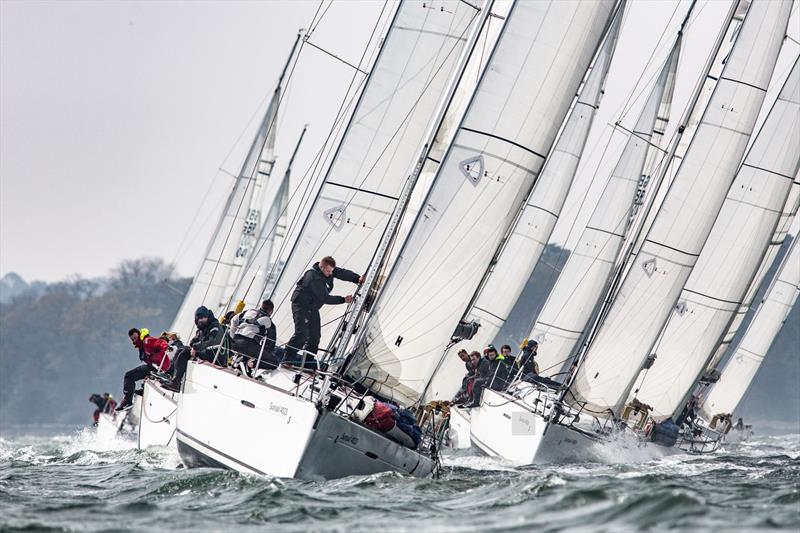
x=311 y=293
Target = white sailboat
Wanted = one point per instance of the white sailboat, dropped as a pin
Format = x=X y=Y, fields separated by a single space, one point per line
x=595 y=399
x=729 y=261
x=602 y=240
x=725 y=395
x=288 y=422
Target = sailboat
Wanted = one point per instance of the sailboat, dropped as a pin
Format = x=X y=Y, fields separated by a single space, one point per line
x=626 y=336
x=616 y=348
x=729 y=261
x=722 y=401
x=307 y=424
x=242 y=212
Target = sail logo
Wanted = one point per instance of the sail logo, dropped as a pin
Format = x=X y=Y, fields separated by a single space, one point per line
x=649 y=267
x=473 y=168
x=336 y=216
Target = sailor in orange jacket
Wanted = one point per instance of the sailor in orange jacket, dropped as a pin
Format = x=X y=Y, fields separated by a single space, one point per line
x=153 y=353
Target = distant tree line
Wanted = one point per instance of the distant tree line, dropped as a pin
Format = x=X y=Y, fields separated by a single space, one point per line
x=60 y=342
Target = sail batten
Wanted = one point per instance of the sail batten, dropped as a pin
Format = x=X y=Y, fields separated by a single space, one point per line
x=682 y=225
x=482 y=182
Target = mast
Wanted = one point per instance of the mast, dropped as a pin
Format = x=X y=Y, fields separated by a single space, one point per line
x=220 y=253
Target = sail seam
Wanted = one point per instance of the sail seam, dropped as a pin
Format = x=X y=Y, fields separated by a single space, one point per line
x=509 y=141
x=742 y=83
x=361 y=190
x=489 y=313
x=672 y=248
x=790 y=178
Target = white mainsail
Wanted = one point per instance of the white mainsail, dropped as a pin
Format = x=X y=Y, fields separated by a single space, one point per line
x=566 y=313
x=730 y=257
x=261 y=268
x=517 y=256
x=231 y=241
x=742 y=367
x=539 y=215
x=680 y=228
x=787 y=216
x=499 y=149
x=380 y=147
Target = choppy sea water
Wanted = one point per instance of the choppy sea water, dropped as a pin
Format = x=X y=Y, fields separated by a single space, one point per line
x=73 y=482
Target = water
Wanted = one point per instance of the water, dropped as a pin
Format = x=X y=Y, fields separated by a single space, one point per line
x=73 y=482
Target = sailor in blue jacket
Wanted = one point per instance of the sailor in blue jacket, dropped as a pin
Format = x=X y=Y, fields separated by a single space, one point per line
x=311 y=293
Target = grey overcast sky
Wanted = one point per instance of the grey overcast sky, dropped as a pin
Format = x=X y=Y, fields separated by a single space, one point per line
x=117 y=115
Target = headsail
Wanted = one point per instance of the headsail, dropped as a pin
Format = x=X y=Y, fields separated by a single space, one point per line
x=260 y=270
x=681 y=227
x=380 y=147
x=519 y=252
x=566 y=313
x=787 y=216
x=730 y=257
x=498 y=151
x=232 y=238
x=754 y=346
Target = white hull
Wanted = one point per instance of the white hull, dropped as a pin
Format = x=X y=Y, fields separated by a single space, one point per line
x=111 y=425
x=460 y=428
x=506 y=427
x=158 y=416
x=519 y=431
x=231 y=421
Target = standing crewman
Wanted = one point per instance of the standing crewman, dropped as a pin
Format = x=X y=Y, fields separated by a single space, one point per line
x=311 y=293
x=153 y=353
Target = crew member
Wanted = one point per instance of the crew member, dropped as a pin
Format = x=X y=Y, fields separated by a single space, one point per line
x=105 y=404
x=153 y=353
x=204 y=344
x=253 y=329
x=311 y=293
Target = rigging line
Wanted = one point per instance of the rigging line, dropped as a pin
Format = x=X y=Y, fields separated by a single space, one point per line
x=402 y=123
x=308 y=41
x=315 y=165
x=313 y=25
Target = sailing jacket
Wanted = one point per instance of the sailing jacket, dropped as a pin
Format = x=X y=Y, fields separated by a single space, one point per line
x=207 y=339
x=256 y=325
x=314 y=289
x=153 y=351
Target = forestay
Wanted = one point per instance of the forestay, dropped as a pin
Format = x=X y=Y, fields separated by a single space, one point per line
x=539 y=214
x=566 y=313
x=787 y=216
x=260 y=270
x=754 y=346
x=380 y=146
x=672 y=245
x=730 y=258
x=234 y=235
x=499 y=148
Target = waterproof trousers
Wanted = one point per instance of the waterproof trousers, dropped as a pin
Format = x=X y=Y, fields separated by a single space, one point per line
x=307 y=331
x=131 y=377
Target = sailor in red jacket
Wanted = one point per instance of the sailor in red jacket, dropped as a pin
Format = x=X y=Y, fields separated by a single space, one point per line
x=153 y=353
